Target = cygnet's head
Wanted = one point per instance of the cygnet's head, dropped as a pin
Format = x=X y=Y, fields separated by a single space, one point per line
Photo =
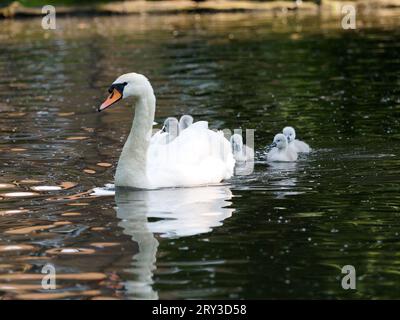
x=128 y=85
x=171 y=126
x=280 y=141
x=236 y=142
x=289 y=133
x=185 y=121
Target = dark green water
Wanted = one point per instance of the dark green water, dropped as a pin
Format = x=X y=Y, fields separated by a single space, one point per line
x=285 y=231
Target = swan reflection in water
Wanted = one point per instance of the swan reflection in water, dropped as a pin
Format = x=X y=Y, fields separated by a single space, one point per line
x=169 y=213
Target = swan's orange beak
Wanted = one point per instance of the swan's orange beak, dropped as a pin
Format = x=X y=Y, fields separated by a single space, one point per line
x=114 y=97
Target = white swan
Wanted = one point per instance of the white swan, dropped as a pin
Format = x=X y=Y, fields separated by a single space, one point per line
x=296 y=145
x=184 y=122
x=280 y=150
x=196 y=157
x=240 y=151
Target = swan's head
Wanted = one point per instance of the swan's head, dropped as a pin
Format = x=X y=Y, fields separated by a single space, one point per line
x=236 y=142
x=185 y=121
x=127 y=85
x=280 y=141
x=289 y=133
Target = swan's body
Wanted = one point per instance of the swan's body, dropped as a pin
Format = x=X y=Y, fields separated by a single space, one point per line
x=198 y=156
x=200 y=125
x=294 y=144
x=186 y=121
x=280 y=150
x=240 y=151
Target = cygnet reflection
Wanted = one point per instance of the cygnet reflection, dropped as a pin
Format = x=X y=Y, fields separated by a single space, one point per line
x=281 y=178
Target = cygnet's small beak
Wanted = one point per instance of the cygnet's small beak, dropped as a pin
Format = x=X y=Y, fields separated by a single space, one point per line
x=164 y=128
x=114 y=97
x=272 y=145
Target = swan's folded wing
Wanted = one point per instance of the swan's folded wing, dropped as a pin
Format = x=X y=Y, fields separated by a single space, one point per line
x=196 y=156
x=200 y=125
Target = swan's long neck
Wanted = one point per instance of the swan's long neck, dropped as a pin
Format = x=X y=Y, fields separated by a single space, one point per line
x=131 y=169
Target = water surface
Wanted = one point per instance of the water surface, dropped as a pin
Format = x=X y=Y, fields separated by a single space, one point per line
x=285 y=231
